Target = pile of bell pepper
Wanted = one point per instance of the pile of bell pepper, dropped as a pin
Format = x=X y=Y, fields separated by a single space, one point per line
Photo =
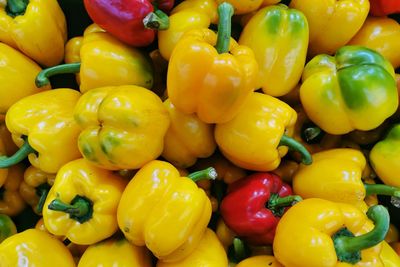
x=204 y=133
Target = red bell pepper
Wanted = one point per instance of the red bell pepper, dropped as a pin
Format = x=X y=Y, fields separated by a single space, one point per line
x=384 y=7
x=132 y=21
x=253 y=206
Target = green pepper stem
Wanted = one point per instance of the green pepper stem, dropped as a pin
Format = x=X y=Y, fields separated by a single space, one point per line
x=42 y=78
x=42 y=191
x=296 y=146
x=347 y=246
x=239 y=248
x=156 y=20
x=16 y=7
x=382 y=189
x=225 y=13
x=207 y=174
x=80 y=209
x=20 y=155
x=276 y=201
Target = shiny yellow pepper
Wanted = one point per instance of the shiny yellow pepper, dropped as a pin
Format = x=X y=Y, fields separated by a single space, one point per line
x=286 y=170
x=278 y=37
x=82 y=203
x=381 y=34
x=34 y=248
x=208 y=7
x=41 y=125
x=259 y=136
x=17 y=77
x=105 y=61
x=180 y=23
x=321 y=233
x=224 y=234
x=116 y=252
x=224 y=76
x=35 y=187
x=208 y=253
x=389 y=257
x=35 y=27
x=243 y=6
x=260 y=261
x=336 y=175
x=164 y=211
x=325 y=17
x=11 y=201
x=122 y=127
x=187 y=138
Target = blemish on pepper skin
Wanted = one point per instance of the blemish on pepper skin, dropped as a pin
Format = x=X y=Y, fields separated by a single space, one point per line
x=108 y=143
x=87 y=151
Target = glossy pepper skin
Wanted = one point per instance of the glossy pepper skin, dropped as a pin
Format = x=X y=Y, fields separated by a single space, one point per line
x=321 y=220
x=388 y=256
x=35 y=187
x=105 y=61
x=150 y=205
x=326 y=16
x=384 y=157
x=82 y=203
x=208 y=253
x=17 y=77
x=36 y=27
x=278 y=37
x=122 y=127
x=384 y=7
x=131 y=27
x=34 y=248
x=356 y=88
x=250 y=207
x=223 y=81
x=380 y=34
x=251 y=140
x=260 y=261
x=335 y=175
x=180 y=23
x=11 y=201
x=46 y=119
x=115 y=252
x=187 y=138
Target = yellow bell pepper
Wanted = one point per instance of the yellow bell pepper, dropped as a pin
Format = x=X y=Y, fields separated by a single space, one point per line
x=259 y=136
x=208 y=7
x=355 y=89
x=260 y=261
x=17 y=77
x=180 y=23
x=286 y=170
x=384 y=157
x=82 y=203
x=208 y=253
x=34 y=248
x=164 y=211
x=321 y=233
x=389 y=257
x=278 y=37
x=325 y=17
x=381 y=34
x=336 y=175
x=40 y=226
x=224 y=75
x=187 y=138
x=41 y=125
x=270 y=2
x=11 y=201
x=243 y=6
x=6 y=141
x=36 y=27
x=115 y=252
x=7 y=227
x=122 y=127
x=35 y=187
x=105 y=61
